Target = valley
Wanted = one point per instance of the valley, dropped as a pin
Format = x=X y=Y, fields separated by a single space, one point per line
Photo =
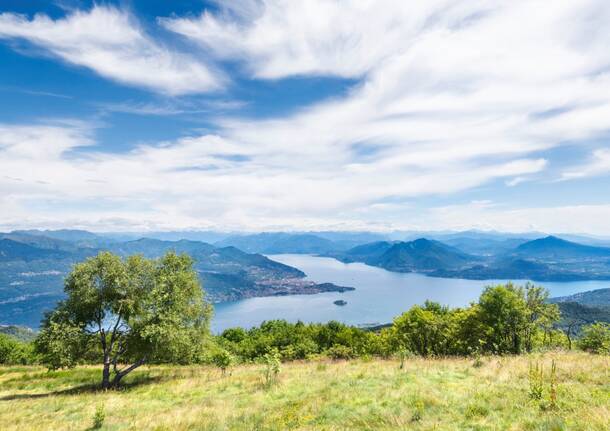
x=313 y=271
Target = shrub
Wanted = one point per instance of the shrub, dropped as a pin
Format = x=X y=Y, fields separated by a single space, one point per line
x=536 y=380
x=403 y=354
x=596 y=338
x=223 y=360
x=339 y=351
x=272 y=364
x=14 y=352
x=98 y=417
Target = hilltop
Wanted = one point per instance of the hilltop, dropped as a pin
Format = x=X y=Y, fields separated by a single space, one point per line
x=552 y=247
x=440 y=394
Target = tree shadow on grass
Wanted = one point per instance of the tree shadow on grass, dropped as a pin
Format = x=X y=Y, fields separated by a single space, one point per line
x=88 y=389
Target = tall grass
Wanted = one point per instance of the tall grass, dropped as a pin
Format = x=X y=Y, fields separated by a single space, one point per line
x=440 y=394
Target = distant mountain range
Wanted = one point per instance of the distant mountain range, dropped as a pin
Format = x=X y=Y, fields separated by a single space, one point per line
x=544 y=259
x=33 y=264
x=299 y=243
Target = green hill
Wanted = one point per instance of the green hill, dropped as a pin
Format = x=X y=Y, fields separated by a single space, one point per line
x=417 y=255
x=552 y=247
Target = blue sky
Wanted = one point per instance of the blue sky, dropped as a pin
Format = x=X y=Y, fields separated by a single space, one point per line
x=278 y=115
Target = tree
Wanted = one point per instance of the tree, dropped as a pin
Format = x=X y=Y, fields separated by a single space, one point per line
x=596 y=338
x=425 y=330
x=223 y=360
x=134 y=311
x=504 y=313
x=541 y=314
x=15 y=352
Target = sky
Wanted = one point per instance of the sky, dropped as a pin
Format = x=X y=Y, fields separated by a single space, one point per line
x=248 y=115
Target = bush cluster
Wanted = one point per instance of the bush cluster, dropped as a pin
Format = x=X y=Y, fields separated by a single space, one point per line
x=506 y=319
x=15 y=352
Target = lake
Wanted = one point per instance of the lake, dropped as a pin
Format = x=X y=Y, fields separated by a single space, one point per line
x=380 y=295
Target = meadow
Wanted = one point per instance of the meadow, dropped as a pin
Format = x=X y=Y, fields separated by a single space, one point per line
x=486 y=393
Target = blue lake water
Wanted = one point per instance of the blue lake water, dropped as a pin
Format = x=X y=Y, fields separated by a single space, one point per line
x=380 y=295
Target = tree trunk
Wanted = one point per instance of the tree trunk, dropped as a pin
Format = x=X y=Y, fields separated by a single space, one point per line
x=106 y=373
x=119 y=375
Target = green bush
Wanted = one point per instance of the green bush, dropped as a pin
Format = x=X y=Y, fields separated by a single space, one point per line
x=339 y=351
x=14 y=352
x=273 y=365
x=596 y=338
x=98 y=417
x=223 y=360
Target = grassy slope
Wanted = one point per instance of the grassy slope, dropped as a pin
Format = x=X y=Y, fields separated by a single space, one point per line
x=448 y=394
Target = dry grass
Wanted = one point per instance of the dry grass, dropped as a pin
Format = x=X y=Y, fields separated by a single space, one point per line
x=439 y=394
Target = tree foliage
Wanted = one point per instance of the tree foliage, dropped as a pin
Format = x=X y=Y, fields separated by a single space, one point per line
x=130 y=311
x=15 y=352
x=596 y=338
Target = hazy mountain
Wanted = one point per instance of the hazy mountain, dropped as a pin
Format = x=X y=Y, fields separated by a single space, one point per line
x=418 y=255
x=279 y=242
x=445 y=236
x=204 y=236
x=543 y=259
x=509 y=269
x=347 y=240
x=72 y=235
x=484 y=246
x=366 y=253
x=12 y=250
x=552 y=247
x=31 y=278
x=421 y=255
x=594 y=298
x=156 y=247
x=40 y=241
x=190 y=235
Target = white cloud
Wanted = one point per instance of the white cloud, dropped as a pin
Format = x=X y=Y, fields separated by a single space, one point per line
x=111 y=43
x=452 y=96
x=279 y=38
x=598 y=165
x=591 y=219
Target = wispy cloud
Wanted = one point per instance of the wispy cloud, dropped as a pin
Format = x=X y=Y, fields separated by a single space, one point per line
x=35 y=92
x=451 y=96
x=110 y=42
x=171 y=108
x=599 y=164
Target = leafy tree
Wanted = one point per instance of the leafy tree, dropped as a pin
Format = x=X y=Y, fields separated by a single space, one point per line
x=596 y=338
x=425 y=330
x=273 y=365
x=223 y=360
x=504 y=313
x=15 y=352
x=135 y=311
x=541 y=315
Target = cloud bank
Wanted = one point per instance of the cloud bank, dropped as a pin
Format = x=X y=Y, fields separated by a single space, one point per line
x=111 y=43
x=451 y=97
